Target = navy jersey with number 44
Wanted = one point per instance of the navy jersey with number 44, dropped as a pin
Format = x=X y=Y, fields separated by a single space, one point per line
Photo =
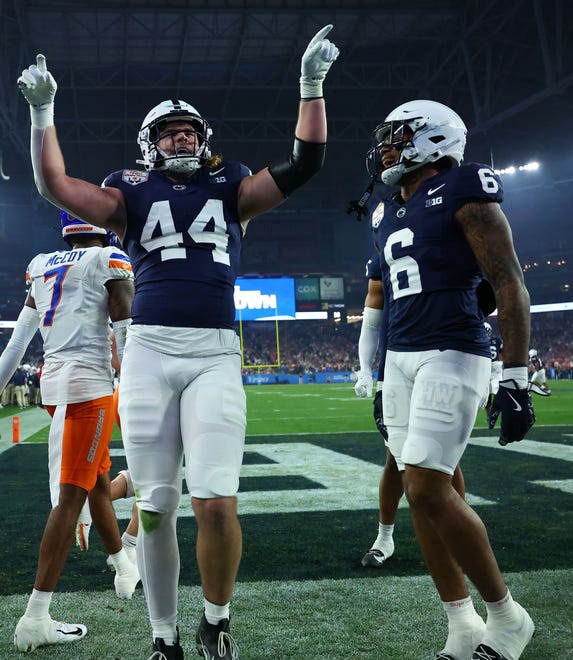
x=429 y=271
x=184 y=242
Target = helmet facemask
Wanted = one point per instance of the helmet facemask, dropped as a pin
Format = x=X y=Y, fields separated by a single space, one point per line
x=396 y=135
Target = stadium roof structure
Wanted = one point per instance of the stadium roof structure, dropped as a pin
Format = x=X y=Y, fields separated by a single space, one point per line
x=505 y=67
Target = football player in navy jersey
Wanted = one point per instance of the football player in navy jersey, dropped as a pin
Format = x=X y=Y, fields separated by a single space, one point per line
x=390 y=488
x=438 y=236
x=182 y=220
x=538 y=375
x=372 y=338
x=495 y=348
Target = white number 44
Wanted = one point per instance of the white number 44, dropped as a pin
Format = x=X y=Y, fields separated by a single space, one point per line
x=171 y=242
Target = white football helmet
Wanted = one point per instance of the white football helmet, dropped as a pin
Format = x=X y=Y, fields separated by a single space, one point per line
x=438 y=132
x=532 y=353
x=182 y=163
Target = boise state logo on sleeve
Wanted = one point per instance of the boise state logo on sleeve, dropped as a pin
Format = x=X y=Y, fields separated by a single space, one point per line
x=377 y=215
x=134 y=177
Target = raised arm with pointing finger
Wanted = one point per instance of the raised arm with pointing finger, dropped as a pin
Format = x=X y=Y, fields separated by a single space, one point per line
x=182 y=219
x=257 y=194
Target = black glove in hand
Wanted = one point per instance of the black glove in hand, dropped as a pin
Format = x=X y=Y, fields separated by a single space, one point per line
x=379 y=416
x=516 y=408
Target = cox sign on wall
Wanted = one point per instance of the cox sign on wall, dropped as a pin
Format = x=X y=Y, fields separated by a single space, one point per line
x=307 y=289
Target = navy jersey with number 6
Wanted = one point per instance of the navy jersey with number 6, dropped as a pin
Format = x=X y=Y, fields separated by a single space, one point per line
x=184 y=243
x=429 y=271
x=495 y=347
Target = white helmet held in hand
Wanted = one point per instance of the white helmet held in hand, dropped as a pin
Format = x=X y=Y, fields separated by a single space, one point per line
x=155 y=121
x=435 y=132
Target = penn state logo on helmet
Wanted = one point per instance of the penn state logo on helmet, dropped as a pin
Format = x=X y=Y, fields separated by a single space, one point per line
x=181 y=161
x=72 y=226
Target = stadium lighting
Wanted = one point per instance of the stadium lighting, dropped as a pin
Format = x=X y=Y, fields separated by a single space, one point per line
x=530 y=167
x=533 y=166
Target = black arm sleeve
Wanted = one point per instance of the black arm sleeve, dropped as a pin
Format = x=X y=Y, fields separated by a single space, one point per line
x=305 y=161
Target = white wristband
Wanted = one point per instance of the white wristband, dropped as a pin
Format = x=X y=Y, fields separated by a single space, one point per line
x=518 y=374
x=310 y=89
x=42 y=116
x=120 y=332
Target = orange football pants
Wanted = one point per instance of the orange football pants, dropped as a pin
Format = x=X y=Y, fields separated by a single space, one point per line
x=116 y=407
x=85 y=442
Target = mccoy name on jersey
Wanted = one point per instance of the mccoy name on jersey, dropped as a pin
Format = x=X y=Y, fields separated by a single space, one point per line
x=184 y=242
x=429 y=271
x=72 y=301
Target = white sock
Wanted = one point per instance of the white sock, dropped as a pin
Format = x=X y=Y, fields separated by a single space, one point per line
x=121 y=562
x=128 y=540
x=158 y=564
x=385 y=537
x=166 y=630
x=465 y=628
x=502 y=612
x=460 y=611
x=39 y=604
x=214 y=613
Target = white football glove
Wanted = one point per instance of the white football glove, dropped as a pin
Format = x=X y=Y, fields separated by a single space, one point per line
x=39 y=88
x=364 y=384
x=316 y=61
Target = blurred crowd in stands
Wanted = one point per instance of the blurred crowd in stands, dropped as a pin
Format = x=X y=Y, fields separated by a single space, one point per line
x=552 y=336
x=305 y=347
x=317 y=346
x=309 y=347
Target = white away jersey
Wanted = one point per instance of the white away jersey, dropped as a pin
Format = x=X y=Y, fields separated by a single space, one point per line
x=72 y=301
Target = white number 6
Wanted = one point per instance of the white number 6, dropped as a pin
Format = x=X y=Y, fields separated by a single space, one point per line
x=406 y=265
x=488 y=182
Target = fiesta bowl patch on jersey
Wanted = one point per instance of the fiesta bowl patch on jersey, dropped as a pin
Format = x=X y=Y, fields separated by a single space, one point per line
x=377 y=215
x=133 y=177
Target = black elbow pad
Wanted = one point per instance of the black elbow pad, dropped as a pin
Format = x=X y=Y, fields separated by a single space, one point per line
x=305 y=161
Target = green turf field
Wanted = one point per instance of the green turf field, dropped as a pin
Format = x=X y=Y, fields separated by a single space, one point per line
x=308 y=505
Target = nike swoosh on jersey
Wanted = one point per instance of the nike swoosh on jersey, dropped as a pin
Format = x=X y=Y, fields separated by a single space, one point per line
x=433 y=190
x=216 y=172
x=517 y=406
x=78 y=632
